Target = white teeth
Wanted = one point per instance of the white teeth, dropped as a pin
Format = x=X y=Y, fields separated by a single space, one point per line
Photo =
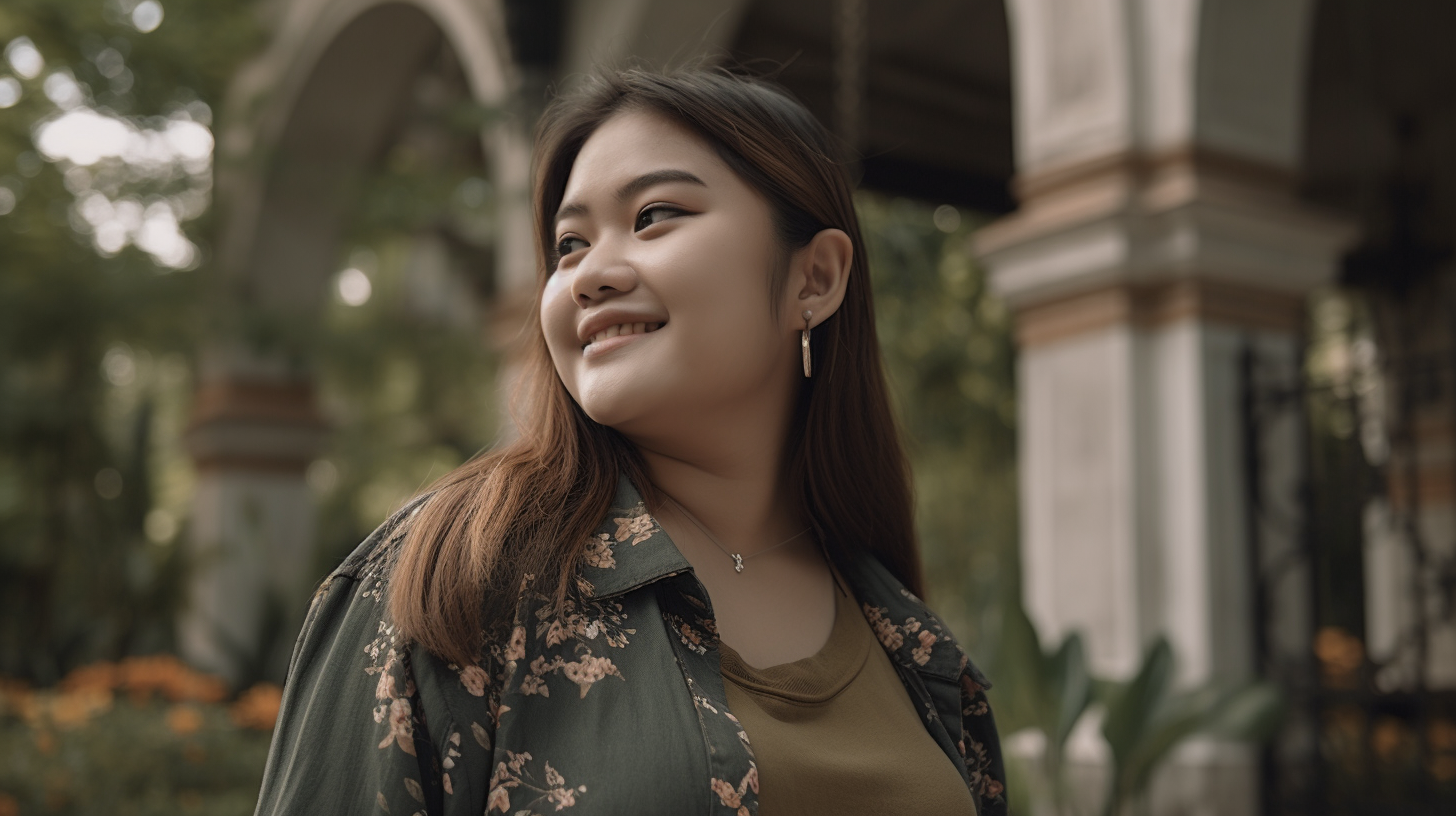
x=624 y=328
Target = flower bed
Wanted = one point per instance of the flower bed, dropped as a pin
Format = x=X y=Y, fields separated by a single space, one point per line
x=144 y=736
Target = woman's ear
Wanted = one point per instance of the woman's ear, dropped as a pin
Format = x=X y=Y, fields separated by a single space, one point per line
x=818 y=277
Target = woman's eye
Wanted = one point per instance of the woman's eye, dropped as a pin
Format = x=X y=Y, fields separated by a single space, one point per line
x=568 y=245
x=654 y=214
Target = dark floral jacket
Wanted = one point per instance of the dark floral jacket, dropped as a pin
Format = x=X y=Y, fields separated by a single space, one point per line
x=612 y=704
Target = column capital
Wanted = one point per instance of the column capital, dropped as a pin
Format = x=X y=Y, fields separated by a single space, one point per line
x=1180 y=226
x=255 y=425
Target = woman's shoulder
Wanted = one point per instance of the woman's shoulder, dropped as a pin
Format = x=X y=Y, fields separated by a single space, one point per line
x=371 y=561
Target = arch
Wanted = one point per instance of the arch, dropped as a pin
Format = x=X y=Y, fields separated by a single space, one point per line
x=302 y=123
x=311 y=110
x=659 y=33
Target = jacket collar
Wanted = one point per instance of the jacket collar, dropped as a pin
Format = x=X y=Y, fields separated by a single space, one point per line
x=629 y=549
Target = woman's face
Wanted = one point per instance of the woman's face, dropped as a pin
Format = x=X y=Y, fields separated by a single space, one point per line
x=658 y=314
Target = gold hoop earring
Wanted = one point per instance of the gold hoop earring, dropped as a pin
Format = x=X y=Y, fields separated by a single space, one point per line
x=804 y=343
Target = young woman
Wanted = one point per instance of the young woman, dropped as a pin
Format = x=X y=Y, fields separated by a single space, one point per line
x=688 y=586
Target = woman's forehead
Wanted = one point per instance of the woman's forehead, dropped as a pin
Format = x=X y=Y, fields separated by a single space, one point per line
x=634 y=143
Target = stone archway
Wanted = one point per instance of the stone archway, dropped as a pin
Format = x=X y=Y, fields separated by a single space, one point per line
x=304 y=121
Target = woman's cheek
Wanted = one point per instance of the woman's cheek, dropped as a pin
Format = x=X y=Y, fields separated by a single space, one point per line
x=557 y=313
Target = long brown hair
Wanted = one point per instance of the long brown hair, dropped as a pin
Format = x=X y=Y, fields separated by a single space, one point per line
x=527 y=508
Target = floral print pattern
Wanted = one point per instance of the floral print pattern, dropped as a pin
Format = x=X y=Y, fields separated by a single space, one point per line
x=637 y=525
x=513 y=775
x=894 y=636
x=732 y=797
x=633 y=651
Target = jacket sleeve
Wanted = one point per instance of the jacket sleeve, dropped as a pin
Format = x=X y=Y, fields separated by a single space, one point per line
x=350 y=738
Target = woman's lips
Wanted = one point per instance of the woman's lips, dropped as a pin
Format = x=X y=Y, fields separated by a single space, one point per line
x=602 y=344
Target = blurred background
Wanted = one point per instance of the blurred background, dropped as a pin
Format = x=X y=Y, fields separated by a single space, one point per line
x=1166 y=291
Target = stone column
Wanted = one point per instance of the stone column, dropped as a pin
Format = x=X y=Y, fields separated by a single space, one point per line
x=250 y=543
x=1138 y=284
x=1157 y=241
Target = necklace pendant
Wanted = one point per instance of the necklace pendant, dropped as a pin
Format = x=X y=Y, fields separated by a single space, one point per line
x=737 y=562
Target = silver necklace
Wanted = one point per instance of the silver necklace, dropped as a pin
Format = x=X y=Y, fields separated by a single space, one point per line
x=738 y=558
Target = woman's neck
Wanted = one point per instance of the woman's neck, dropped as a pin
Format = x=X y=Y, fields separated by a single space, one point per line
x=734 y=487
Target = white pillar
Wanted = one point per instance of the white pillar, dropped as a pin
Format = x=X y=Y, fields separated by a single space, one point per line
x=1137 y=288
x=1156 y=241
x=250 y=541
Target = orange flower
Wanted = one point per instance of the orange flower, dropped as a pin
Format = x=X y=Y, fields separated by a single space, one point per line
x=1389 y=737
x=97 y=676
x=1443 y=735
x=184 y=719
x=1340 y=655
x=166 y=675
x=71 y=709
x=921 y=654
x=258 y=707
x=638 y=528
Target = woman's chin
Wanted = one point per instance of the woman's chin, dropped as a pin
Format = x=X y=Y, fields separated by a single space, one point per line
x=614 y=409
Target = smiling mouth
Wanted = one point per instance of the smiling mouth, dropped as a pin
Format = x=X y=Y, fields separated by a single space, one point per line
x=623 y=329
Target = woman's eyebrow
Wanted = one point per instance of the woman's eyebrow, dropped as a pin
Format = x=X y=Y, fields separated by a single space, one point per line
x=646 y=180
x=633 y=187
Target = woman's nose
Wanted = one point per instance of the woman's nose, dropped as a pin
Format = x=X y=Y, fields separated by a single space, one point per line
x=602 y=276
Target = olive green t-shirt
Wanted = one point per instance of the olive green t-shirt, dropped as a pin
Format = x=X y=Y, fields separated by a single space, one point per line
x=836 y=733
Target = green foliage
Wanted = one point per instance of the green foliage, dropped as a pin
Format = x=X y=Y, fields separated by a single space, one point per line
x=948 y=349
x=128 y=761
x=145 y=736
x=95 y=337
x=409 y=400
x=1146 y=720
x=408 y=378
x=1050 y=692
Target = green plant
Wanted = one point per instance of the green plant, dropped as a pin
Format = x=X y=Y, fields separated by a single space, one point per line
x=1047 y=691
x=143 y=737
x=1146 y=719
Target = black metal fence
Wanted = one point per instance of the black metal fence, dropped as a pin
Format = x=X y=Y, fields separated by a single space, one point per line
x=1363 y=734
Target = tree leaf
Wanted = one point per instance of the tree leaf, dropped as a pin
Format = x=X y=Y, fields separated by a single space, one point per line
x=1072 y=686
x=1132 y=710
x=1249 y=713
